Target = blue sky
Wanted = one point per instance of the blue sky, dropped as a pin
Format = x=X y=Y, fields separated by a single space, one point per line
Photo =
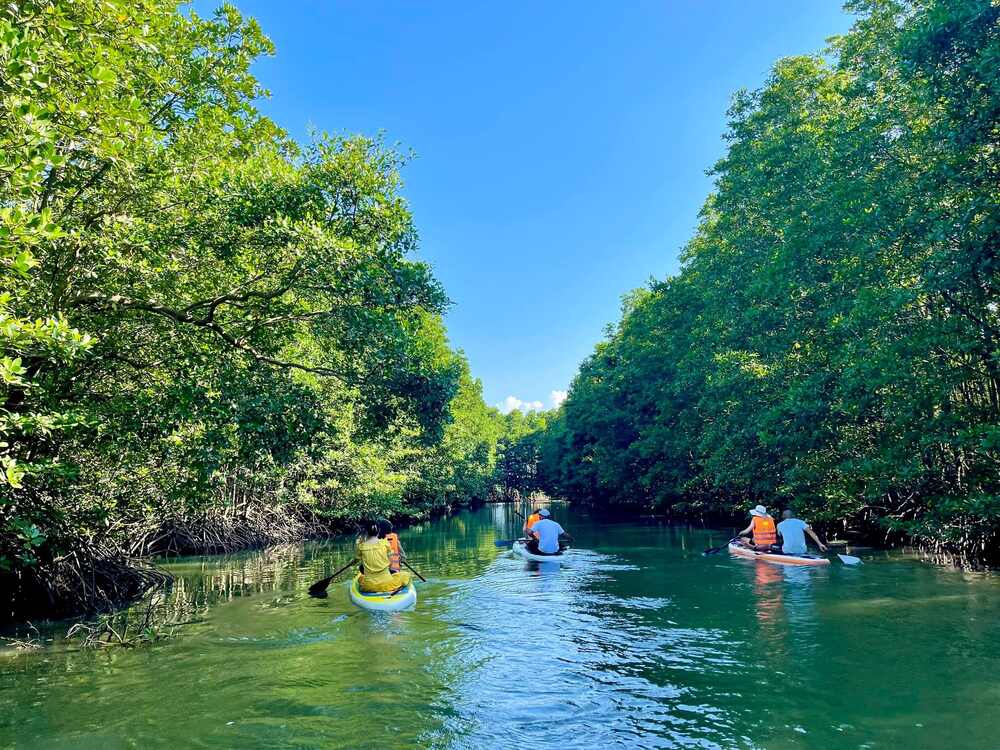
x=561 y=146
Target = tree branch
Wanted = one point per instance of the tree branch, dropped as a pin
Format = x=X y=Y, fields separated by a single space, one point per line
x=96 y=299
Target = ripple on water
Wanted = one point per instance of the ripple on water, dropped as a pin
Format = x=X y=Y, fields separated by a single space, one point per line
x=563 y=653
x=641 y=644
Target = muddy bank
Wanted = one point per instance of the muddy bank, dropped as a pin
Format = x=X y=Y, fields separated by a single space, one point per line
x=97 y=578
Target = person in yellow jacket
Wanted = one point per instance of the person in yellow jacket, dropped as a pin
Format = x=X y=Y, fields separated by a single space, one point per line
x=374 y=553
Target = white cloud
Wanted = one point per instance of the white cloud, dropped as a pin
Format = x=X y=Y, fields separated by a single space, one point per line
x=513 y=402
x=557 y=397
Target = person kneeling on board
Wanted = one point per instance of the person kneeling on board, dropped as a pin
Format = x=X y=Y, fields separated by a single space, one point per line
x=762 y=527
x=374 y=552
x=545 y=534
x=793 y=540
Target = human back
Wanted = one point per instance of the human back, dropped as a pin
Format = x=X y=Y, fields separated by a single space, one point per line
x=531 y=520
x=375 y=553
x=793 y=536
x=548 y=533
x=374 y=557
x=764 y=531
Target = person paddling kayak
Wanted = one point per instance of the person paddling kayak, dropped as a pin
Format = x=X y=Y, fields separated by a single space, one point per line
x=545 y=534
x=793 y=540
x=374 y=552
x=762 y=528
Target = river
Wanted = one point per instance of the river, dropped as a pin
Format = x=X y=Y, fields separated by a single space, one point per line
x=638 y=641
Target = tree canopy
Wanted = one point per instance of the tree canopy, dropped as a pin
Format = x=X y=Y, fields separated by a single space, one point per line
x=200 y=314
x=832 y=338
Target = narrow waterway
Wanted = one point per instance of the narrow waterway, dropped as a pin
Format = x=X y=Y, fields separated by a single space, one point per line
x=637 y=641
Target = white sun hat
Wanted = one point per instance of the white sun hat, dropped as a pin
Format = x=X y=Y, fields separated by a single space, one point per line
x=760 y=510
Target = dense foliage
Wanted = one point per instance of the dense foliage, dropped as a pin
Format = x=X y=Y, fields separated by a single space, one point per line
x=199 y=316
x=521 y=437
x=833 y=338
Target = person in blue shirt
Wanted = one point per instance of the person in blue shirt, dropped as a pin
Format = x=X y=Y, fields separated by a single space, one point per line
x=793 y=534
x=546 y=533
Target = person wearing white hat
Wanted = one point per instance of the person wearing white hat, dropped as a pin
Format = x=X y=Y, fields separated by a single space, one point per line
x=762 y=527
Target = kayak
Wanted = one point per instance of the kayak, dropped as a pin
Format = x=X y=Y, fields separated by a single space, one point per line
x=383 y=602
x=777 y=557
x=520 y=548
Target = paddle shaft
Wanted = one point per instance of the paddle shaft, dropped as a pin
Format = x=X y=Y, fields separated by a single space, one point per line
x=414 y=571
x=320 y=586
x=508 y=542
x=713 y=550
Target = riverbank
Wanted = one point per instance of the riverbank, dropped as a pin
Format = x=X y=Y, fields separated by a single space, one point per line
x=99 y=578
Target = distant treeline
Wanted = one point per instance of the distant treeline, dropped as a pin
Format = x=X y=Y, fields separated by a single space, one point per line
x=210 y=334
x=833 y=338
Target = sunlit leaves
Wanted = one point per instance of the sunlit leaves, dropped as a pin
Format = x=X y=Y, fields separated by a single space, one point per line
x=198 y=313
x=833 y=340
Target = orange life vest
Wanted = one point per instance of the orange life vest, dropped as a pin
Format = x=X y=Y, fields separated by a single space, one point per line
x=532 y=520
x=394 y=556
x=764 y=531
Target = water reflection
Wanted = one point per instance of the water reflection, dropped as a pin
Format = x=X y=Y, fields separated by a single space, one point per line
x=636 y=641
x=769 y=598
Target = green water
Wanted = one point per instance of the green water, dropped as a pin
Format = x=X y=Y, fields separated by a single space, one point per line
x=638 y=641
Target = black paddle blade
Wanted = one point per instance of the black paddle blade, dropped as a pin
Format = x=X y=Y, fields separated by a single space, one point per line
x=318 y=589
x=504 y=542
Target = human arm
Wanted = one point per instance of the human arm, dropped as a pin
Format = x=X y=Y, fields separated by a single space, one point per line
x=810 y=532
x=746 y=531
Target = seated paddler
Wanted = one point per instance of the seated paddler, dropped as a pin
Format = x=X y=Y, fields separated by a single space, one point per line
x=374 y=552
x=545 y=537
x=763 y=529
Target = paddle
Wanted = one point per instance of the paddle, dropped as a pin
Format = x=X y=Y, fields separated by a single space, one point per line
x=414 y=571
x=846 y=559
x=318 y=589
x=507 y=542
x=714 y=550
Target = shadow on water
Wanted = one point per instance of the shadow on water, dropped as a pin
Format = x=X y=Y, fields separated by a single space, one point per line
x=636 y=641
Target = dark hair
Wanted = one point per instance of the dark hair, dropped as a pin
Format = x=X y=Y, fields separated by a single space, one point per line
x=371 y=528
x=384 y=526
